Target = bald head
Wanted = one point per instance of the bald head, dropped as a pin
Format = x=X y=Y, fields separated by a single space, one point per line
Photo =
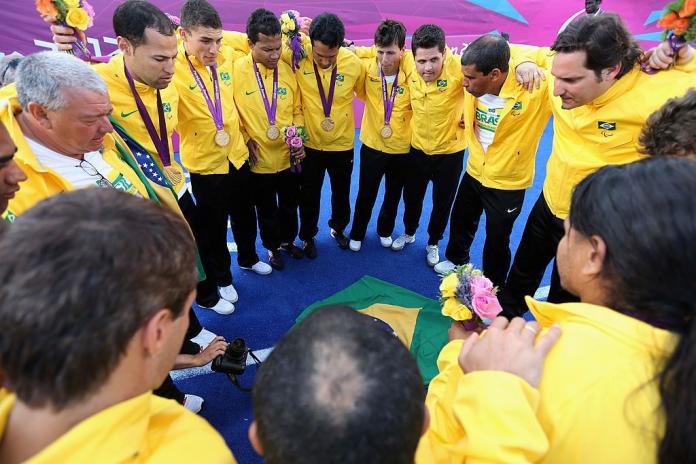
x=339 y=388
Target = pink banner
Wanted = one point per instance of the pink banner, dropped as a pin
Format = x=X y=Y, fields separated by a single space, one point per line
x=527 y=21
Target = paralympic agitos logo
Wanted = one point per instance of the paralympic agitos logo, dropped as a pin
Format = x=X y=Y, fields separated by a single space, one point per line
x=606 y=127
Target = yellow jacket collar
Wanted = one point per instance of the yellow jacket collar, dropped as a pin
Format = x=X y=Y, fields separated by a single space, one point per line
x=8 y=115
x=632 y=331
x=621 y=86
x=511 y=88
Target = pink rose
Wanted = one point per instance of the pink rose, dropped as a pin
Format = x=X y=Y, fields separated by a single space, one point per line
x=480 y=284
x=290 y=131
x=296 y=142
x=486 y=305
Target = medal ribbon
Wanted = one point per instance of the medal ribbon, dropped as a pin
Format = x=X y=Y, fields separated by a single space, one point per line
x=389 y=102
x=215 y=109
x=326 y=103
x=160 y=140
x=270 y=107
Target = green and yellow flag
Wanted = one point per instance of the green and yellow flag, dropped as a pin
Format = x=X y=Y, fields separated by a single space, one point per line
x=415 y=319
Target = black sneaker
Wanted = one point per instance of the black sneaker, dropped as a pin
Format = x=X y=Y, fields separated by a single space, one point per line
x=341 y=239
x=276 y=260
x=295 y=251
x=310 y=249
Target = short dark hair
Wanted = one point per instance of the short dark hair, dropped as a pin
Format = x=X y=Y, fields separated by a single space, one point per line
x=428 y=36
x=604 y=39
x=262 y=21
x=646 y=214
x=133 y=17
x=671 y=130
x=328 y=29
x=81 y=273
x=390 y=32
x=199 y=13
x=357 y=396
x=487 y=53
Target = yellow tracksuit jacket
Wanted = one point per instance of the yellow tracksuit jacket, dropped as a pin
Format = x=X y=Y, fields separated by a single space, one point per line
x=597 y=401
x=199 y=152
x=274 y=155
x=509 y=162
x=373 y=115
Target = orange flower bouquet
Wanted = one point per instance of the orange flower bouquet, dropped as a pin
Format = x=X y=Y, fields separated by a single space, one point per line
x=77 y=14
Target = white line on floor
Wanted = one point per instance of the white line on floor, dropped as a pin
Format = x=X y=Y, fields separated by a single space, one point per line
x=542 y=293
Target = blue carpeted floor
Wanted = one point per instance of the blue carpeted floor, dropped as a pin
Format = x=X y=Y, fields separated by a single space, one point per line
x=268 y=305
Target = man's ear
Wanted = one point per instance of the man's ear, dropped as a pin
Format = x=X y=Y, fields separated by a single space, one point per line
x=254 y=438
x=156 y=330
x=611 y=72
x=39 y=114
x=124 y=45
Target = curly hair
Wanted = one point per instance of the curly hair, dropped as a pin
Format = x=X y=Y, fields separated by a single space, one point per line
x=671 y=130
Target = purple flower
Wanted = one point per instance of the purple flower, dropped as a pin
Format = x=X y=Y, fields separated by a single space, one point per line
x=290 y=131
x=295 y=142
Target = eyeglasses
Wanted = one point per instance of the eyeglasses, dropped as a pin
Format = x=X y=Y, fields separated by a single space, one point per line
x=90 y=170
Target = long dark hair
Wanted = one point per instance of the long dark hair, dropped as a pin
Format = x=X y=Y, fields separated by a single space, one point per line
x=646 y=214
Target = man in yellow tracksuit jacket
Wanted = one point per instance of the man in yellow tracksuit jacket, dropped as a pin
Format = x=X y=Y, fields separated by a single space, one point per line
x=85 y=395
x=327 y=79
x=214 y=150
x=598 y=115
x=504 y=124
x=385 y=132
x=268 y=98
x=437 y=140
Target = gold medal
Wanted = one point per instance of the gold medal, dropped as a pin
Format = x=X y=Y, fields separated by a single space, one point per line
x=273 y=132
x=172 y=174
x=222 y=138
x=386 y=132
x=327 y=124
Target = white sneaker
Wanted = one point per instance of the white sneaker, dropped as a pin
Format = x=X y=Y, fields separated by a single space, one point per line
x=402 y=241
x=222 y=307
x=444 y=267
x=354 y=245
x=229 y=293
x=260 y=268
x=433 y=255
x=193 y=403
x=204 y=337
x=386 y=241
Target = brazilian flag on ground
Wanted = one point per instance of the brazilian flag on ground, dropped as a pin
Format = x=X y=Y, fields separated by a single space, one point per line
x=415 y=319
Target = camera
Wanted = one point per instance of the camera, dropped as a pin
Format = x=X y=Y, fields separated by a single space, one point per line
x=233 y=361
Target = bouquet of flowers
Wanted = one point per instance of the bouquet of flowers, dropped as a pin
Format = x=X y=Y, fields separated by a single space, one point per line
x=77 y=14
x=290 y=25
x=469 y=297
x=295 y=137
x=679 y=22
